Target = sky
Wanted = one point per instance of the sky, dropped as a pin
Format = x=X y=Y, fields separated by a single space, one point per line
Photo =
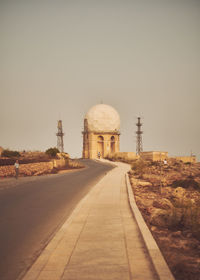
x=59 y=58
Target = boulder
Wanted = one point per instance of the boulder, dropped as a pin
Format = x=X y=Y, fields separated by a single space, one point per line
x=179 y=197
x=153 y=228
x=179 y=192
x=144 y=184
x=162 y=204
x=133 y=181
x=161 y=218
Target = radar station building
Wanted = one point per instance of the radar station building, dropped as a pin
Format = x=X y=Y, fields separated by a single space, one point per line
x=101 y=135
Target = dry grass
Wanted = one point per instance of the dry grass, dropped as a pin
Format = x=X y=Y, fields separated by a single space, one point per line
x=73 y=164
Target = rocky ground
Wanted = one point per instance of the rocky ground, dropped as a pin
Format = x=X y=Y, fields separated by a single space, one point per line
x=168 y=196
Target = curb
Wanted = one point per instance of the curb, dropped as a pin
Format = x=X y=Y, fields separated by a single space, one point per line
x=155 y=254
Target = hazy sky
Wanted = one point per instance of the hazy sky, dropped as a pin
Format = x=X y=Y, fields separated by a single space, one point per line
x=59 y=58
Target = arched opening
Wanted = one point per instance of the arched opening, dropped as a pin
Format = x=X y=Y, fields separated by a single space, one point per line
x=112 y=144
x=100 y=146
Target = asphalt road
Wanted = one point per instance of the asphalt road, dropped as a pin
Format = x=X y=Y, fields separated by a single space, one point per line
x=32 y=210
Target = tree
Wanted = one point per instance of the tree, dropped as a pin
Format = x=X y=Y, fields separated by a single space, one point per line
x=52 y=152
x=9 y=153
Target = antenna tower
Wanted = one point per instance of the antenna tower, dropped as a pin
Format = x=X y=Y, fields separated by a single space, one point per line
x=60 y=134
x=139 y=132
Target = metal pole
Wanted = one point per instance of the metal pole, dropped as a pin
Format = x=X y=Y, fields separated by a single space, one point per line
x=139 y=132
x=160 y=173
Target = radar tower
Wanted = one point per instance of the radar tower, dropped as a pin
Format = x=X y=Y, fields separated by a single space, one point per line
x=139 y=132
x=60 y=134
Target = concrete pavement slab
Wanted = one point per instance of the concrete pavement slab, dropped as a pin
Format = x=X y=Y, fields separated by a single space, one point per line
x=100 y=240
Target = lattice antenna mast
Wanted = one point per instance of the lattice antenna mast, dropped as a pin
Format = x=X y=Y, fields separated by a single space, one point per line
x=60 y=134
x=139 y=132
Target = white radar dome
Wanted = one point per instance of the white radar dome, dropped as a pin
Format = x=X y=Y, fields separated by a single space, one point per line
x=103 y=118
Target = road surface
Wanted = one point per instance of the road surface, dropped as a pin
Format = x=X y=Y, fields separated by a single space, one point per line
x=33 y=209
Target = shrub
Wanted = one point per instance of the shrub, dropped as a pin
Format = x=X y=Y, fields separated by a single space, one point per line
x=188 y=163
x=188 y=183
x=186 y=215
x=9 y=153
x=154 y=163
x=52 y=152
x=139 y=167
x=73 y=164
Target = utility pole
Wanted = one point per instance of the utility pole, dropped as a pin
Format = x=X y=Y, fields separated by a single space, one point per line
x=60 y=134
x=139 y=132
x=160 y=173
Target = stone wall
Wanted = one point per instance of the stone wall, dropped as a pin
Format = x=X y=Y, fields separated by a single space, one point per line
x=122 y=156
x=32 y=169
x=126 y=155
x=58 y=163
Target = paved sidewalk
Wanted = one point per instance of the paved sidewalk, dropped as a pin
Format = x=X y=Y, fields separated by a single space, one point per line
x=100 y=240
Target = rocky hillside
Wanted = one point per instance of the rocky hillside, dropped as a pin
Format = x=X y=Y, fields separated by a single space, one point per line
x=168 y=196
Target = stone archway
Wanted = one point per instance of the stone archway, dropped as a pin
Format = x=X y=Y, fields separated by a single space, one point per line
x=100 y=146
x=112 y=144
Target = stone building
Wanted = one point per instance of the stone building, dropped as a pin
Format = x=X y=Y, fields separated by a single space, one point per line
x=101 y=131
x=154 y=155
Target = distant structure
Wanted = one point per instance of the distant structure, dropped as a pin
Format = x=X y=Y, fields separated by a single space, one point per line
x=101 y=132
x=60 y=134
x=139 y=132
x=154 y=155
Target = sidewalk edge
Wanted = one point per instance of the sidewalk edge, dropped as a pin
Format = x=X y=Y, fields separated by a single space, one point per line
x=155 y=254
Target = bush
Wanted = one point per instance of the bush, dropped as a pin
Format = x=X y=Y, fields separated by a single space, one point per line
x=188 y=183
x=188 y=163
x=139 y=167
x=52 y=152
x=9 y=153
x=186 y=215
x=73 y=164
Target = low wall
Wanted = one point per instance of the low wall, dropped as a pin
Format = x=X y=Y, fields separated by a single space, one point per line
x=59 y=163
x=127 y=156
x=186 y=159
x=32 y=169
